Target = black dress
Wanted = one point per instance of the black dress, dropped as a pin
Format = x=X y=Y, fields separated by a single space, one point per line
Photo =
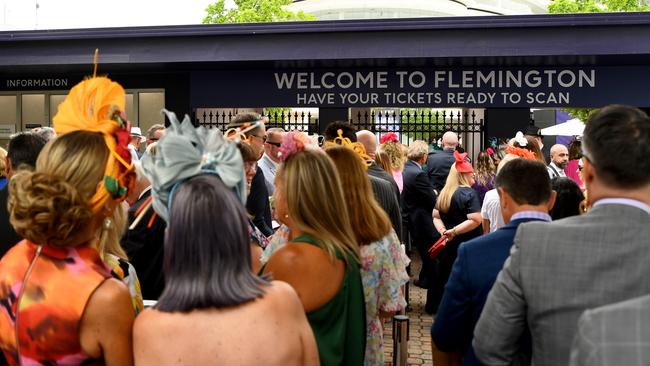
x=463 y=202
x=144 y=245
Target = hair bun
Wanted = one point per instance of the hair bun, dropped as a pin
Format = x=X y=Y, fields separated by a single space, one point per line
x=45 y=209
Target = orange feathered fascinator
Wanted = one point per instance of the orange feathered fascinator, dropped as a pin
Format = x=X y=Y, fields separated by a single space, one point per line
x=522 y=153
x=357 y=147
x=462 y=165
x=97 y=105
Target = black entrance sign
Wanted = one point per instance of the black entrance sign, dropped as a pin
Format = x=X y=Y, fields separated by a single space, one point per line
x=430 y=87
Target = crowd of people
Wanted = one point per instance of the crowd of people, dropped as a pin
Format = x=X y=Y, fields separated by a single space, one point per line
x=260 y=246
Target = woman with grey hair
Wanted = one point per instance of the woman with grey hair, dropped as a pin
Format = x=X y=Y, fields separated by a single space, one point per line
x=198 y=187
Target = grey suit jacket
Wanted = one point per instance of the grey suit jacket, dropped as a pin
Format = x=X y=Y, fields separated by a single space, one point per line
x=617 y=334
x=555 y=272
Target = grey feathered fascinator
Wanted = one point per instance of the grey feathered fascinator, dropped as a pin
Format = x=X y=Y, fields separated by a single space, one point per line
x=184 y=152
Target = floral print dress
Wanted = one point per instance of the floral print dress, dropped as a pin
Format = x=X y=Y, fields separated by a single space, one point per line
x=43 y=294
x=383 y=272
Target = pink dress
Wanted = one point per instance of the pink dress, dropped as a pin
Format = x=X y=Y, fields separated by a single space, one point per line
x=397 y=175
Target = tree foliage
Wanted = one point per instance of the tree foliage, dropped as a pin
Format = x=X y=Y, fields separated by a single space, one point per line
x=592 y=6
x=253 y=11
x=595 y=6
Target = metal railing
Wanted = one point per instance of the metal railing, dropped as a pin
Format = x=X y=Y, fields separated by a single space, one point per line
x=408 y=125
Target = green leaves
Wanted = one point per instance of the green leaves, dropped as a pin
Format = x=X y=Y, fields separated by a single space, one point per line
x=595 y=6
x=253 y=11
x=592 y=6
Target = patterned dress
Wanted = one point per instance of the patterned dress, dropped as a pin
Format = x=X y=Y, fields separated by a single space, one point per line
x=43 y=293
x=383 y=272
x=125 y=272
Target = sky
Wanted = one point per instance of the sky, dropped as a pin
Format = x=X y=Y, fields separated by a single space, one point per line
x=67 y=14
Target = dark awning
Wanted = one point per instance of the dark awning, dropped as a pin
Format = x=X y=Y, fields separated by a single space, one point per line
x=576 y=39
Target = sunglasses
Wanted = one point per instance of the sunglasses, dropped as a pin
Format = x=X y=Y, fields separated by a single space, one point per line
x=276 y=144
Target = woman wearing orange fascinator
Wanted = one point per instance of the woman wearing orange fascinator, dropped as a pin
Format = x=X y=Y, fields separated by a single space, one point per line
x=62 y=306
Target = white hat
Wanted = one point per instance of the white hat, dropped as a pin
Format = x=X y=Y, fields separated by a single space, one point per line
x=136 y=131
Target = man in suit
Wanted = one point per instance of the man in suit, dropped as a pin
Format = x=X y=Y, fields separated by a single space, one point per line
x=22 y=153
x=439 y=163
x=144 y=244
x=557 y=270
x=480 y=260
x=369 y=142
x=418 y=201
x=612 y=335
x=257 y=203
x=270 y=160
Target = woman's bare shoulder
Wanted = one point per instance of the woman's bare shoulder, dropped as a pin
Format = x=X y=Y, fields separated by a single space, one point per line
x=282 y=298
x=298 y=256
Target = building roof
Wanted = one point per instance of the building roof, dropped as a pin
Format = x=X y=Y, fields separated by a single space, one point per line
x=575 y=39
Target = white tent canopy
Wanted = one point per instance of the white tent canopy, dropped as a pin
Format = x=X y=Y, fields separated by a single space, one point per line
x=572 y=127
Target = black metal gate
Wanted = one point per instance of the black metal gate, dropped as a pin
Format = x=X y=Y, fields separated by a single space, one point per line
x=428 y=126
x=408 y=125
x=288 y=121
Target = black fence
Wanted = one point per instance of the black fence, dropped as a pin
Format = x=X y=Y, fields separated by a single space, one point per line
x=408 y=125
x=288 y=121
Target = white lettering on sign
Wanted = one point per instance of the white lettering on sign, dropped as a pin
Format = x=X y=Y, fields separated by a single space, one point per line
x=484 y=87
x=37 y=83
x=515 y=79
x=330 y=80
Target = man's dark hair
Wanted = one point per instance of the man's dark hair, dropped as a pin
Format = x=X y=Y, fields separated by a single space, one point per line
x=23 y=150
x=331 y=131
x=526 y=181
x=616 y=142
x=207 y=257
x=568 y=199
x=241 y=118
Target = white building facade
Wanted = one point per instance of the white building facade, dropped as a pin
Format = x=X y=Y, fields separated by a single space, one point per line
x=375 y=9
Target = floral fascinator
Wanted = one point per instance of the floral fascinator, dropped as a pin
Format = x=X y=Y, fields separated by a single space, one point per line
x=184 y=152
x=388 y=137
x=294 y=142
x=97 y=104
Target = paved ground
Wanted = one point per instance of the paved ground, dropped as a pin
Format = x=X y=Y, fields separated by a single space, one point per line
x=419 y=344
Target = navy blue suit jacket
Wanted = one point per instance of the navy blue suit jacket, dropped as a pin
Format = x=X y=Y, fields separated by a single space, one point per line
x=418 y=201
x=477 y=265
x=438 y=166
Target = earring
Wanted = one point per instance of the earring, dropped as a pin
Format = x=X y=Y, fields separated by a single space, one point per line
x=286 y=216
x=108 y=223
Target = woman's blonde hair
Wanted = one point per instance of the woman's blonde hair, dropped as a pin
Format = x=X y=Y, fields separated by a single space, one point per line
x=51 y=204
x=312 y=190
x=111 y=235
x=454 y=180
x=396 y=154
x=368 y=219
x=381 y=158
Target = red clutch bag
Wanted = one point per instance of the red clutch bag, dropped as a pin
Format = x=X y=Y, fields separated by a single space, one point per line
x=437 y=247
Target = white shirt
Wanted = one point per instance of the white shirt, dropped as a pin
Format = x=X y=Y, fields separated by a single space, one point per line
x=134 y=153
x=554 y=171
x=268 y=167
x=491 y=210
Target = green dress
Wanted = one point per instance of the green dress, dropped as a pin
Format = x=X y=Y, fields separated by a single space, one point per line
x=340 y=325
